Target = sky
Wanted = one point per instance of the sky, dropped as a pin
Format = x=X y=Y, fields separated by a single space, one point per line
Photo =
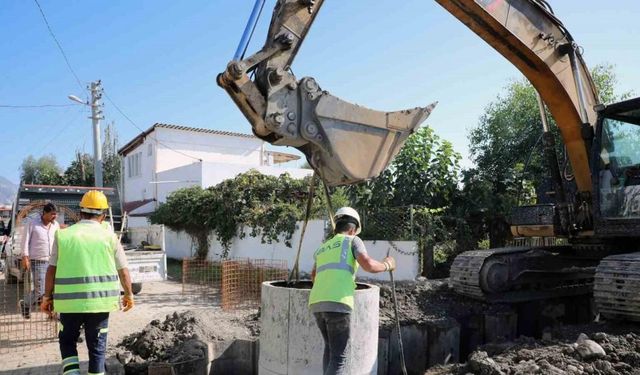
x=158 y=60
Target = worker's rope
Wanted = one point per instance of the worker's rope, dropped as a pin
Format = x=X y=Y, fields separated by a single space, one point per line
x=328 y=199
x=296 y=266
x=403 y=365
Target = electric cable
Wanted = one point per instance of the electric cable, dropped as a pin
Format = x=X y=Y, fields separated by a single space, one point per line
x=66 y=59
x=142 y=130
x=36 y=106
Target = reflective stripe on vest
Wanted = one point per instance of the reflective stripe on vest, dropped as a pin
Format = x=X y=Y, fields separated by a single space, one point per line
x=86 y=276
x=335 y=272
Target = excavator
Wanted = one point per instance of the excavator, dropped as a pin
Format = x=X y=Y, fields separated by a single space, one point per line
x=596 y=208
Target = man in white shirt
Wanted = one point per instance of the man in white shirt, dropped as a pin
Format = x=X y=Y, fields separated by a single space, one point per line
x=37 y=243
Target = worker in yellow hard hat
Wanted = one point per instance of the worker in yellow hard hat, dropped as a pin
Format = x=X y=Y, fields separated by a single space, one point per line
x=333 y=275
x=86 y=263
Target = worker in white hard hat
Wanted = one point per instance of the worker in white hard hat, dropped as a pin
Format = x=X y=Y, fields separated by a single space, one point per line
x=333 y=275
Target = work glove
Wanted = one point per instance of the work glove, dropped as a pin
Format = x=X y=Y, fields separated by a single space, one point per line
x=47 y=306
x=127 y=302
x=390 y=262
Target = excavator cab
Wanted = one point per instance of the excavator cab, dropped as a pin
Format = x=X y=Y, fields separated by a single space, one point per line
x=616 y=176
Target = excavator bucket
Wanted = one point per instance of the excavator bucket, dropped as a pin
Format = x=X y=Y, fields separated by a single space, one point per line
x=359 y=143
x=345 y=143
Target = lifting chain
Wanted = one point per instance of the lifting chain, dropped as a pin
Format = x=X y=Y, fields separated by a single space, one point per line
x=395 y=247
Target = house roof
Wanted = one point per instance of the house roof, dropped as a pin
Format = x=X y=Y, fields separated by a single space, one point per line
x=139 y=139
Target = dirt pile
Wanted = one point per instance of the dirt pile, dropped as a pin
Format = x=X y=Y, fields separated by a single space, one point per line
x=422 y=301
x=182 y=337
x=594 y=353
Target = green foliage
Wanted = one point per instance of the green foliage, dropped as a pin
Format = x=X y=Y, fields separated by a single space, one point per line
x=250 y=204
x=80 y=172
x=425 y=172
x=42 y=171
x=506 y=136
x=111 y=161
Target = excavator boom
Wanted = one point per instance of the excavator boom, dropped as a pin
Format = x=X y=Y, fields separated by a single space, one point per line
x=527 y=34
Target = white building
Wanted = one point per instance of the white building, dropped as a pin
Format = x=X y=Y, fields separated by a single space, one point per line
x=166 y=157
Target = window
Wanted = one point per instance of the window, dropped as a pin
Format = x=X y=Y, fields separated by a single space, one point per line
x=134 y=164
x=150 y=149
x=620 y=167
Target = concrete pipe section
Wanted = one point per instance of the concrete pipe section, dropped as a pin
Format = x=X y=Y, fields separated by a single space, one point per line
x=290 y=341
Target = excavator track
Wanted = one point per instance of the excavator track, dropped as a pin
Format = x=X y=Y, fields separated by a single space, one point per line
x=617 y=287
x=514 y=274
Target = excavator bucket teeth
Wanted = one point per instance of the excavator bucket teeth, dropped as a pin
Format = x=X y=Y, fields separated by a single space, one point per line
x=357 y=143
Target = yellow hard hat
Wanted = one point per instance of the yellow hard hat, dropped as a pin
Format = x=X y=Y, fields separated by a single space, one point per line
x=94 y=202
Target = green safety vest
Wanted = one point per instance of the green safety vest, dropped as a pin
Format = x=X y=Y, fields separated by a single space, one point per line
x=335 y=272
x=86 y=276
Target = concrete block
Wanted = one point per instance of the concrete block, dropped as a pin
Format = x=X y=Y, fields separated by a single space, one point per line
x=113 y=366
x=383 y=354
x=500 y=326
x=234 y=357
x=443 y=337
x=471 y=334
x=415 y=344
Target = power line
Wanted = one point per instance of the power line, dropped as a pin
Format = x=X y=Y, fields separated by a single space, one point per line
x=36 y=106
x=142 y=130
x=66 y=59
x=63 y=129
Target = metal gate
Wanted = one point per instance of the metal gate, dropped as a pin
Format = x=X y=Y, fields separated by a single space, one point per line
x=17 y=333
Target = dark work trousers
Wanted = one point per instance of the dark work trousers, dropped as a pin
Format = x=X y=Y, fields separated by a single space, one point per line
x=336 y=329
x=95 y=331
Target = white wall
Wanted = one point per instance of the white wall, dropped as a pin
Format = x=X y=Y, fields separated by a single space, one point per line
x=177 y=178
x=138 y=188
x=179 y=245
x=214 y=173
x=205 y=146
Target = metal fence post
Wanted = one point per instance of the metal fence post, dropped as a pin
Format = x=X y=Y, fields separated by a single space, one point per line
x=411 y=220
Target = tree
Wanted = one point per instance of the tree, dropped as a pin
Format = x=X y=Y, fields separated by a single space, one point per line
x=507 y=152
x=80 y=171
x=425 y=172
x=42 y=171
x=111 y=160
x=251 y=203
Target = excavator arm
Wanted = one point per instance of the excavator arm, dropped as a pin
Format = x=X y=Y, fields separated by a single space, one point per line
x=347 y=143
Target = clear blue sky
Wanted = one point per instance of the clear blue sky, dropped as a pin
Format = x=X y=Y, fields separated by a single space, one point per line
x=158 y=60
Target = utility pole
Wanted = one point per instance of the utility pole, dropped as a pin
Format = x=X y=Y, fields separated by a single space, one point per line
x=96 y=116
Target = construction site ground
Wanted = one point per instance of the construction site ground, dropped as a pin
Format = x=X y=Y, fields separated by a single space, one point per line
x=166 y=326
x=156 y=301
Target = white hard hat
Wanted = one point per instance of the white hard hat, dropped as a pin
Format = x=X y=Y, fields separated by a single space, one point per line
x=348 y=211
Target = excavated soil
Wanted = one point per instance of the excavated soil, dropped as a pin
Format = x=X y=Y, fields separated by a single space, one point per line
x=423 y=301
x=181 y=337
x=564 y=351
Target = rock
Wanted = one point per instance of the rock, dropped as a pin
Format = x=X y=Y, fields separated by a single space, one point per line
x=113 y=366
x=548 y=368
x=603 y=366
x=480 y=364
x=526 y=354
x=421 y=279
x=125 y=357
x=581 y=338
x=589 y=349
x=525 y=368
x=546 y=336
x=600 y=336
